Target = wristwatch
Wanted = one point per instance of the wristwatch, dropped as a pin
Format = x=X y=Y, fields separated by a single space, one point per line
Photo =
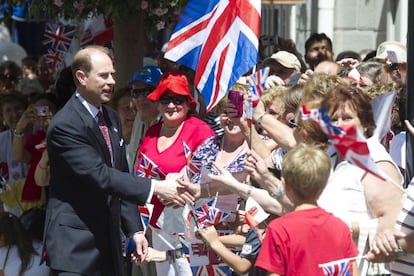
x=172 y=255
x=278 y=194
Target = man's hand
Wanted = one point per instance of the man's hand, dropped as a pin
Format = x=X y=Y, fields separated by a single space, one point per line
x=141 y=248
x=273 y=81
x=173 y=194
x=257 y=168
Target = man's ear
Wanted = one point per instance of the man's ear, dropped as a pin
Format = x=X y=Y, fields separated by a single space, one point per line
x=80 y=75
x=287 y=187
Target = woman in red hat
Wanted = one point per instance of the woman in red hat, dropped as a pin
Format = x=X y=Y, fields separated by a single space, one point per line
x=165 y=149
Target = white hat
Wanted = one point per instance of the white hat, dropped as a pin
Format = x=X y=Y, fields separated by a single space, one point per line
x=287 y=59
x=386 y=48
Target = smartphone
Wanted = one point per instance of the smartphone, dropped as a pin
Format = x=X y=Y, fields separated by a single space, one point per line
x=236 y=98
x=294 y=79
x=41 y=110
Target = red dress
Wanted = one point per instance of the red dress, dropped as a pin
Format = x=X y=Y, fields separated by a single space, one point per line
x=297 y=242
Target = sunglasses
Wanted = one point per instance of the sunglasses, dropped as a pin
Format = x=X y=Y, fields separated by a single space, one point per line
x=293 y=124
x=175 y=100
x=144 y=92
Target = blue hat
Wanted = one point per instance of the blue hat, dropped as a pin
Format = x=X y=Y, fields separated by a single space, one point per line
x=149 y=75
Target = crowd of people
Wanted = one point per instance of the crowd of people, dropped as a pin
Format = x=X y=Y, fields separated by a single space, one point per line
x=140 y=179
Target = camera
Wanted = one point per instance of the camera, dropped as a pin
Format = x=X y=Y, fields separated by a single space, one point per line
x=41 y=110
x=236 y=98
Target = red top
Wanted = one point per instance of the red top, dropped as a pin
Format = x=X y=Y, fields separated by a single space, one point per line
x=297 y=242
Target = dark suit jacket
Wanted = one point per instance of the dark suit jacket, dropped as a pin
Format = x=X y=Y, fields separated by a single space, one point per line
x=89 y=197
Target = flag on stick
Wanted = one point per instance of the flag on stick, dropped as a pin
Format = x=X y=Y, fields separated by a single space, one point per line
x=219 y=41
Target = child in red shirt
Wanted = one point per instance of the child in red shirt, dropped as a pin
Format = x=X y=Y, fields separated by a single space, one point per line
x=296 y=243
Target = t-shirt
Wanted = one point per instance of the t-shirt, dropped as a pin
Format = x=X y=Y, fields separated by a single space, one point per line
x=297 y=242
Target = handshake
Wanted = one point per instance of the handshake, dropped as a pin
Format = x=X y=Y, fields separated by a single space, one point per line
x=175 y=191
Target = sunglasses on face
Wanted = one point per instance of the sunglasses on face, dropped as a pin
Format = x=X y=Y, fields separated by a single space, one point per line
x=144 y=92
x=174 y=99
x=293 y=124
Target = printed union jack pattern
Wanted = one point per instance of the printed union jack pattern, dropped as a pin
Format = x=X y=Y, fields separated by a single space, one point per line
x=348 y=141
x=338 y=268
x=219 y=41
x=257 y=84
x=206 y=154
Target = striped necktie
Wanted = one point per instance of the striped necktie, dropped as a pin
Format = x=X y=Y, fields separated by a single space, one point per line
x=105 y=132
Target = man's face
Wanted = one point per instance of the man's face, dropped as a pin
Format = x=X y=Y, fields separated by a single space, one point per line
x=277 y=69
x=99 y=83
x=317 y=52
x=145 y=107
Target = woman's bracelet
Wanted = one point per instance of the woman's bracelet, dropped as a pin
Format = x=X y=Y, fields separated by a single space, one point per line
x=278 y=194
x=260 y=119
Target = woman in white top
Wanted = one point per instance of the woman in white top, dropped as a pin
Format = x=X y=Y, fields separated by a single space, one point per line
x=19 y=255
x=352 y=194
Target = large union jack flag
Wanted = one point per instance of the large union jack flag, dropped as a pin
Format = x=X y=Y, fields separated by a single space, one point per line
x=218 y=39
x=348 y=140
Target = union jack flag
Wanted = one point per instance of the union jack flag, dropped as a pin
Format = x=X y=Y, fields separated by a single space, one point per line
x=54 y=58
x=341 y=267
x=257 y=84
x=219 y=41
x=145 y=214
x=211 y=270
x=147 y=168
x=207 y=214
x=193 y=164
x=60 y=37
x=348 y=141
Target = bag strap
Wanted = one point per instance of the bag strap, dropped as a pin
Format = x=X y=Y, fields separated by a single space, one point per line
x=5 y=260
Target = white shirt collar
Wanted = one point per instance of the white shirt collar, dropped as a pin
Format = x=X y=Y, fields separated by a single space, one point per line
x=91 y=108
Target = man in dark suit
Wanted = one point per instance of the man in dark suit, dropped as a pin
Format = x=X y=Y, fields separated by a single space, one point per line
x=91 y=192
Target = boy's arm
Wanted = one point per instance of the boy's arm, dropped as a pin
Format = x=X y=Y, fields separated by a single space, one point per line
x=272 y=274
x=240 y=265
x=232 y=240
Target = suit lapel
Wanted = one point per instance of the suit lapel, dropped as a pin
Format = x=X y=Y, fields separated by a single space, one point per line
x=91 y=123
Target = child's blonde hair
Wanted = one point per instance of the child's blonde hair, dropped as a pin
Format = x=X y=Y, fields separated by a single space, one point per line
x=306 y=170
